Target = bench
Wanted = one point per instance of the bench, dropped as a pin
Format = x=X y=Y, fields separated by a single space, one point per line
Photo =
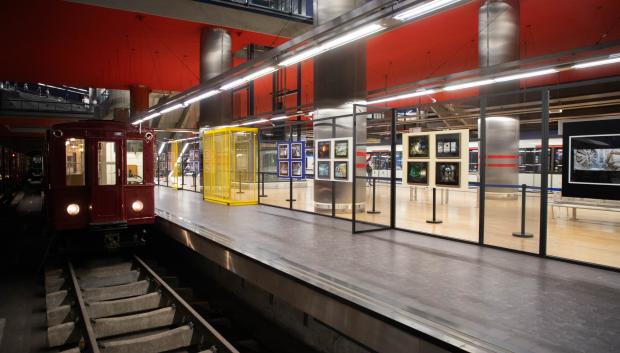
x=583 y=205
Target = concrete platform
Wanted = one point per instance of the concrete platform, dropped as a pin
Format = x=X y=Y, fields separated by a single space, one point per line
x=490 y=298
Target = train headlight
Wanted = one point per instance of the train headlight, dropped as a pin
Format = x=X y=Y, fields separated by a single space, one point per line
x=137 y=206
x=73 y=209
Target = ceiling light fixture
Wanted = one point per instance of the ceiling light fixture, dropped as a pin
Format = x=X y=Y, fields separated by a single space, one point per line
x=334 y=43
x=201 y=97
x=403 y=96
x=468 y=85
x=254 y=122
x=424 y=9
x=613 y=59
x=248 y=78
x=146 y=118
x=169 y=109
x=525 y=75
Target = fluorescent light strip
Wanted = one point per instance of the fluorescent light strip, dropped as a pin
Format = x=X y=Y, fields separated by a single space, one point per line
x=169 y=109
x=146 y=118
x=60 y=88
x=403 y=96
x=613 y=59
x=352 y=36
x=254 y=122
x=334 y=43
x=161 y=149
x=201 y=97
x=468 y=85
x=248 y=78
x=525 y=75
x=426 y=8
x=279 y=118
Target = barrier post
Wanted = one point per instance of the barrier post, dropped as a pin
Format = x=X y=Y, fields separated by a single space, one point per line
x=374 y=211
x=434 y=220
x=262 y=193
x=523 y=233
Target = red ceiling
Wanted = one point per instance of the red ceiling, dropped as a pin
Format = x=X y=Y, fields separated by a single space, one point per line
x=67 y=43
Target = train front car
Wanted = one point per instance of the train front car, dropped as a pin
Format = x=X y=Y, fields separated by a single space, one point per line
x=99 y=183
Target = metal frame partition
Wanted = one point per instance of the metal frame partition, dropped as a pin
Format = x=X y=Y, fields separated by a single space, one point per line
x=292 y=132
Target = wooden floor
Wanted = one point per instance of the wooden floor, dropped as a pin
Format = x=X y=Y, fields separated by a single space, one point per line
x=593 y=237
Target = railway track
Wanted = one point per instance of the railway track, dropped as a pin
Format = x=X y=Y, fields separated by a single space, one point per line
x=122 y=306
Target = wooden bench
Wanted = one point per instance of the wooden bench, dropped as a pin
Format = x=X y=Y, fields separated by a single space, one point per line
x=583 y=205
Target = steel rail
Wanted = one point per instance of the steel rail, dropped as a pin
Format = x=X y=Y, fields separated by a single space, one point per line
x=90 y=333
x=221 y=344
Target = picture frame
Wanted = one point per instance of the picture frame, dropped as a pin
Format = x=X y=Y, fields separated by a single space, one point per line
x=283 y=151
x=323 y=149
x=417 y=173
x=296 y=150
x=323 y=170
x=594 y=160
x=448 y=174
x=341 y=170
x=448 y=145
x=341 y=149
x=296 y=169
x=283 y=169
x=418 y=146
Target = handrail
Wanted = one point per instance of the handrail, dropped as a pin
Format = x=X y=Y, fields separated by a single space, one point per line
x=9 y=104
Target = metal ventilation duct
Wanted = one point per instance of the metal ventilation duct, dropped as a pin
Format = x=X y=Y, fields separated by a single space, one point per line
x=215 y=59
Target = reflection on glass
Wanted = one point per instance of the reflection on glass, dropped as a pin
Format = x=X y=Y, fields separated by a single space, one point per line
x=135 y=162
x=106 y=163
x=74 y=162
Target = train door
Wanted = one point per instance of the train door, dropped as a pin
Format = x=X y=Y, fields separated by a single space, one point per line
x=106 y=181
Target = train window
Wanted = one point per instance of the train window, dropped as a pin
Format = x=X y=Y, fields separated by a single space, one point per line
x=74 y=162
x=106 y=163
x=135 y=162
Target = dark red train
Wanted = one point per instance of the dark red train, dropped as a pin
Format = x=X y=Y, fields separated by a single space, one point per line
x=99 y=182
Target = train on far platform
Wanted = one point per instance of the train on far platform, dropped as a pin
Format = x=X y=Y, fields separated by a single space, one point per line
x=99 y=189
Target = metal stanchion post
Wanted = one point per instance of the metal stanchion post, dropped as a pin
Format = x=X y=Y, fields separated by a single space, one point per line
x=523 y=233
x=262 y=194
x=434 y=220
x=374 y=184
x=239 y=181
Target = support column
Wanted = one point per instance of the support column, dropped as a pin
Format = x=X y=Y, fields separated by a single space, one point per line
x=215 y=58
x=336 y=86
x=138 y=99
x=498 y=43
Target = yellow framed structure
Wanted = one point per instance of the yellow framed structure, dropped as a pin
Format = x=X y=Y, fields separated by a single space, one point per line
x=230 y=166
x=175 y=165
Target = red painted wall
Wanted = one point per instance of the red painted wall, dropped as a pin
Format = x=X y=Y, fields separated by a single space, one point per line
x=66 y=43
x=61 y=42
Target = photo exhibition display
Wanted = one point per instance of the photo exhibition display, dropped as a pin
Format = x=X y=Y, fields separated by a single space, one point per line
x=291 y=159
x=334 y=159
x=436 y=158
x=592 y=154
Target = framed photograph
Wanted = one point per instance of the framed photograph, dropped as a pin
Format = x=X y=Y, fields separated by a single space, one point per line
x=296 y=168
x=448 y=174
x=323 y=171
x=283 y=151
x=594 y=159
x=324 y=149
x=417 y=173
x=418 y=146
x=296 y=150
x=341 y=170
x=283 y=169
x=448 y=145
x=341 y=149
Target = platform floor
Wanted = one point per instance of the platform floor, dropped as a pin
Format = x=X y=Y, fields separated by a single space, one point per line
x=517 y=302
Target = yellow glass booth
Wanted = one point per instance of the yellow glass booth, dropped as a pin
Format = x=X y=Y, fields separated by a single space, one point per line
x=229 y=166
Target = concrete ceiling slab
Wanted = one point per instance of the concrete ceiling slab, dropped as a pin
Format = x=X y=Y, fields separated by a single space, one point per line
x=215 y=15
